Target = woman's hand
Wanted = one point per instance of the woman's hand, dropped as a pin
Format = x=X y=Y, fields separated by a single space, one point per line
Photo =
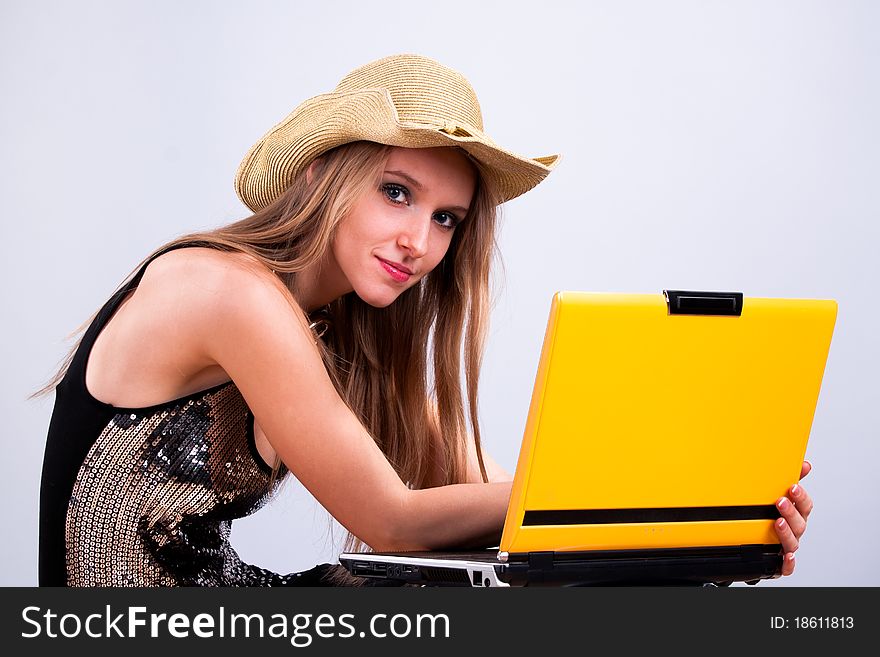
x=794 y=509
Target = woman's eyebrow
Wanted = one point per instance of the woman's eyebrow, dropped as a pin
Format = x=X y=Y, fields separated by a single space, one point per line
x=408 y=178
x=415 y=183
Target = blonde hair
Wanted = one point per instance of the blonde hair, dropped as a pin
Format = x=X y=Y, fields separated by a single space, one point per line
x=379 y=359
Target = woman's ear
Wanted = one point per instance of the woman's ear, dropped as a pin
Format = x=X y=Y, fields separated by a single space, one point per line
x=313 y=167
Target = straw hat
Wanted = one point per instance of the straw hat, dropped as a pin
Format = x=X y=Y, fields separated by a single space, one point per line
x=402 y=100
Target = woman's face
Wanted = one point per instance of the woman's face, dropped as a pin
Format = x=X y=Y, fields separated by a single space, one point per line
x=400 y=231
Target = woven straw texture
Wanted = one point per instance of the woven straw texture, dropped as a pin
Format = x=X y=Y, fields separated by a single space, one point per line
x=403 y=100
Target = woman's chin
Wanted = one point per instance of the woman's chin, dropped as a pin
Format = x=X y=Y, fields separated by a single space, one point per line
x=377 y=299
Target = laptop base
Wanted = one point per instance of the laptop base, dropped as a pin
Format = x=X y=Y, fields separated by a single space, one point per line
x=718 y=566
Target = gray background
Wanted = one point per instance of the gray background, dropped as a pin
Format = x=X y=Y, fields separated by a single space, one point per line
x=707 y=145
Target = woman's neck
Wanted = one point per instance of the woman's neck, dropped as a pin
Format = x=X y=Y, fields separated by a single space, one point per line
x=319 y=284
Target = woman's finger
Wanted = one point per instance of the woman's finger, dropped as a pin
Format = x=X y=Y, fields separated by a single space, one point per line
x=801 y=500
x=786 y=536
x=793 y=518
x=787 y=563
x=806 y=467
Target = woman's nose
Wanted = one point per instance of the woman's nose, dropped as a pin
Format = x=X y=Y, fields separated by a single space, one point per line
x=415 y=237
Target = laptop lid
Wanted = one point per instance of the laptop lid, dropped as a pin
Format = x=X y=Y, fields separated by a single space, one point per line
x=671 y=420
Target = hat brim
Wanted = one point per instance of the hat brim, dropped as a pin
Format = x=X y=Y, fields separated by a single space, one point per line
x=330 y=120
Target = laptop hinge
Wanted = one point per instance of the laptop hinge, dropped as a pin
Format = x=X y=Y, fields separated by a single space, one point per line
x=690 y=302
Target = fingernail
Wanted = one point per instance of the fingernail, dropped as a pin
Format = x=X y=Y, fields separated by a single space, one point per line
x=780 y=523
x=795 y=490
x=781 y=503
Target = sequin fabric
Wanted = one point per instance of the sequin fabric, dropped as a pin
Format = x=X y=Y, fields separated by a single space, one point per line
x=153 y=500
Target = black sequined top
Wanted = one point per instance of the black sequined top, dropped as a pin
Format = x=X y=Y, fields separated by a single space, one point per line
x=146 y=496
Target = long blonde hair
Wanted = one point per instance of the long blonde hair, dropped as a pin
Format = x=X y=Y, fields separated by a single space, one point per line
x=381 y=359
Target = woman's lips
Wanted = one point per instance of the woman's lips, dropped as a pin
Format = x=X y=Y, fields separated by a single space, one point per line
x=397 y=274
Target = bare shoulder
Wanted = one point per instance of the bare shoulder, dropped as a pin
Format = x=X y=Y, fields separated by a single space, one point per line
x=166 y=328
x=207 y=291
x=197 y=277
x=206 y=269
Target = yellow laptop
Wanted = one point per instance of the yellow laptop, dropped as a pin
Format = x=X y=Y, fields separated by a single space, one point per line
x=662 y=430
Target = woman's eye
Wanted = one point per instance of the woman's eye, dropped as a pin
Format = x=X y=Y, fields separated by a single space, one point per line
x=396 y=193
x=399 y=195
x=446 y=219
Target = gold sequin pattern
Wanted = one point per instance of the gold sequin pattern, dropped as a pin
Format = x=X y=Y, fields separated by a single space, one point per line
x=154 y=499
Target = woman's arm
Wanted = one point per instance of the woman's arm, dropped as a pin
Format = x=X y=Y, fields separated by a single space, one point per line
x=246 y=325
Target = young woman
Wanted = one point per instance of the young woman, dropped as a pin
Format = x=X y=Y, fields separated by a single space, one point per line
x=322 y=335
